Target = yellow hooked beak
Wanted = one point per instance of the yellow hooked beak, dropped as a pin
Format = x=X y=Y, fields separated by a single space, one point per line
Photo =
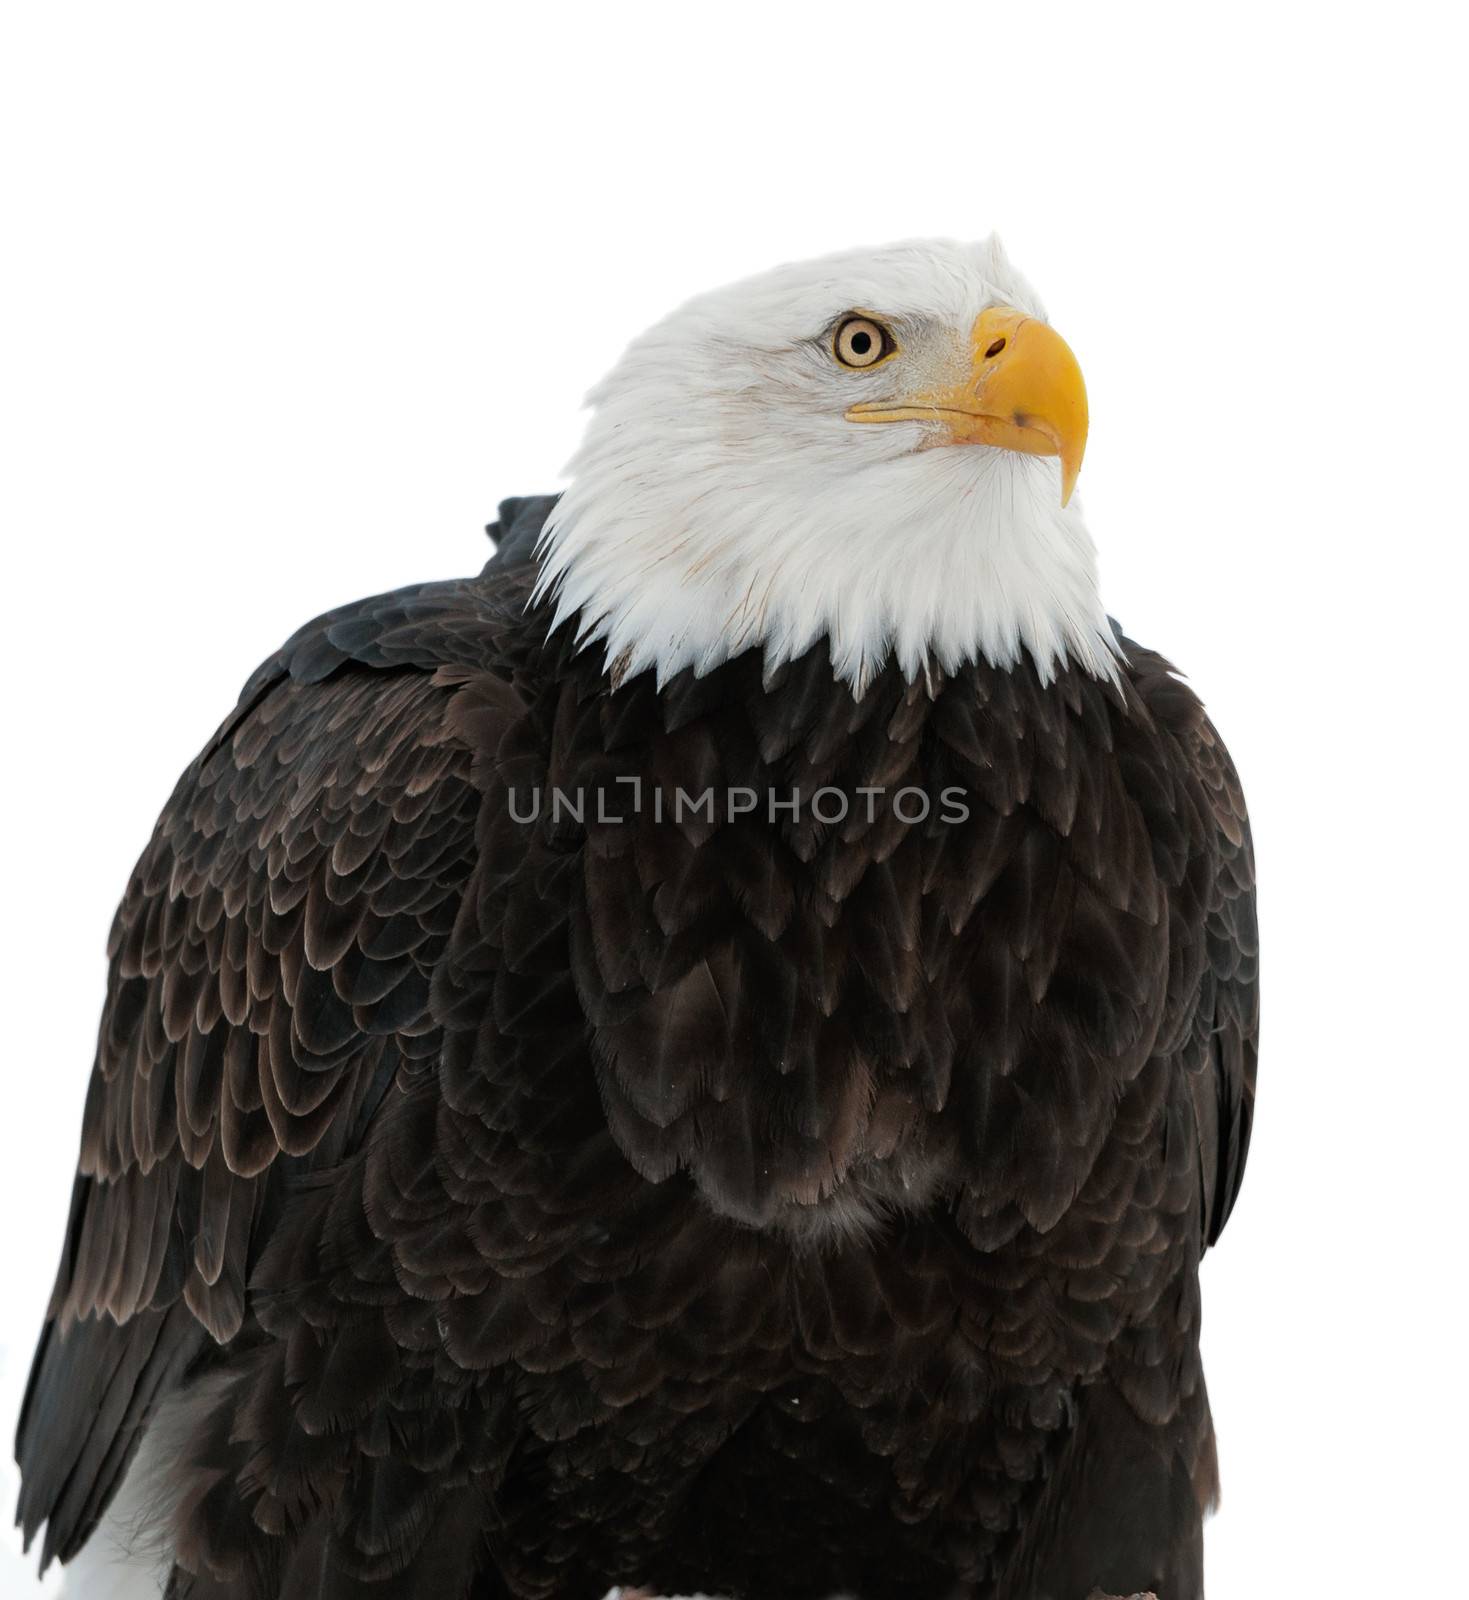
x=1023 y=391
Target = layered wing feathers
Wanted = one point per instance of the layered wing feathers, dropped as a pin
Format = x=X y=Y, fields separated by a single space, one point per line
x=269 y=979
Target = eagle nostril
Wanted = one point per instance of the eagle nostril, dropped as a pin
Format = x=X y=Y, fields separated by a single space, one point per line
x=994 y=349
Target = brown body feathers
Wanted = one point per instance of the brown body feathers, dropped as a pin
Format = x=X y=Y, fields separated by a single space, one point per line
x=771 y=1208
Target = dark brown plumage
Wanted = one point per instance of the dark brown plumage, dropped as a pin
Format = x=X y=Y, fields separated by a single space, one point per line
x=758 y=1208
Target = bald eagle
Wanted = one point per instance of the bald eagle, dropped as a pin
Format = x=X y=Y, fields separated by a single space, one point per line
x=705 y=1057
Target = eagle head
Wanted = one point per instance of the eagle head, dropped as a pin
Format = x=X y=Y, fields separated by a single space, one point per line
x=876 y=449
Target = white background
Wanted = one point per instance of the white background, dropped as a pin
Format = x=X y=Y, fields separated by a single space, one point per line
x=293 y=294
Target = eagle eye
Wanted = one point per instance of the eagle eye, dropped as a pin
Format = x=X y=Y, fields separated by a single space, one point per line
x=861 y=342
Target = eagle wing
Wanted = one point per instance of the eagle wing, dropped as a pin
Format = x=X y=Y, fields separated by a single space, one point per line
x=1214 y=902
x=270 y=977
x=1228 y=1019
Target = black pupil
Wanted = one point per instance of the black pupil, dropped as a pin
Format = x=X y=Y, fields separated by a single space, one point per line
x=861 y=343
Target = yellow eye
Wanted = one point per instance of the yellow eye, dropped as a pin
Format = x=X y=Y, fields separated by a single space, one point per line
x=861 y=342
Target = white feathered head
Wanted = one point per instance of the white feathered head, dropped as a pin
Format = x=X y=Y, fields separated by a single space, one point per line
x=876 y=448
